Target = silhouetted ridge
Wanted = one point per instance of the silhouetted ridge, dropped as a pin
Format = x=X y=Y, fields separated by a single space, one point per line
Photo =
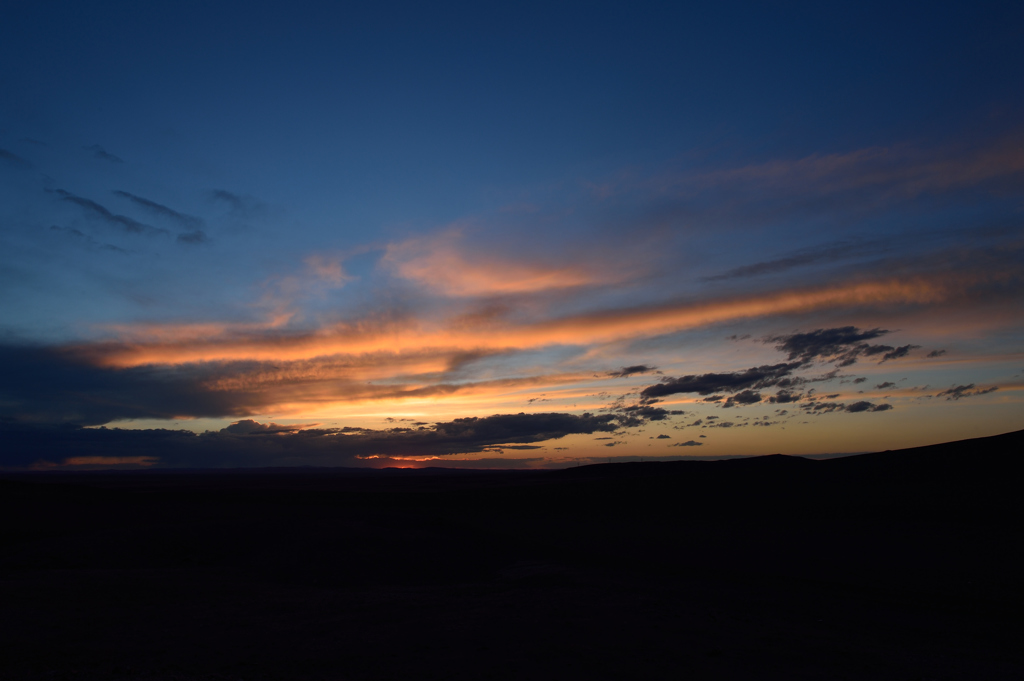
x=996 y=450
x=661 y=468
x=314 y=568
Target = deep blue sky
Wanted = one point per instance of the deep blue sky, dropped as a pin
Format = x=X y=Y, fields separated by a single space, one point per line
x=277 y=169
x=423 y=112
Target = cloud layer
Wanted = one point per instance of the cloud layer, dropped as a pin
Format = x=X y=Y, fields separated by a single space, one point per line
x=609 y=301
x=249 y=443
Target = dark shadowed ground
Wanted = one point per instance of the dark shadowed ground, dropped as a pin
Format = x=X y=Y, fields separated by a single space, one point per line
x=898 y=565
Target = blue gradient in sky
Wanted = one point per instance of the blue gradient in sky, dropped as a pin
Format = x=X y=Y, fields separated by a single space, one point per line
x=423 y=113
x=706 y=150
x=360 y=124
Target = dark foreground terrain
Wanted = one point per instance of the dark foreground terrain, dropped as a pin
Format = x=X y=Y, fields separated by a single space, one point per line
x=898 y=565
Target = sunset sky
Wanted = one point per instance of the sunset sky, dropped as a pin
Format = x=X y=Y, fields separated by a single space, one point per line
x=506 y=235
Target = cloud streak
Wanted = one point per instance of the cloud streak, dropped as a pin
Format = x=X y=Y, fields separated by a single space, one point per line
x=190 y=222
x=196 y=237
x=171 y=344
x=634 y=370
x=59 y=385
x=885 y=174
x=961 y=391
x=102 y=154
x=240 y=206
x=12 y=159
x=442 y=263
x=843 y=250
x=86 y=239
x=122 y=222
x=863 y=406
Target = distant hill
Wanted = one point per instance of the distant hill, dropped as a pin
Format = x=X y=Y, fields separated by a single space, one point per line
x=891 y=565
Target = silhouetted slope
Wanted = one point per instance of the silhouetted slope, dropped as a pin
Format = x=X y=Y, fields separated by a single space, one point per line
x=888 y=565
x=995 y=460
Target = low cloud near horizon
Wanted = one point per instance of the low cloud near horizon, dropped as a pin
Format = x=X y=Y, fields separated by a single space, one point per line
x=248 y=443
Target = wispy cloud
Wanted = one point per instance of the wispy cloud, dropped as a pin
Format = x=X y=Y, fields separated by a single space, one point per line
x=837 y=192
x=12 y=159
x=327 y=269
x=65 y=385
x=86 y=239
x=863 y=406
x=406 y=332
x=81 y=384
x=888 y=172
x=444 y=264
x=240 y=205
x=102 y=154
x=190 y=222
x=121 y=221
x=196 y=237
x=632 y=371
x=959 y=392
x=842 y=250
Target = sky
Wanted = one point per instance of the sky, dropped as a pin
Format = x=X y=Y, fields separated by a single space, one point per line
x=522 y=235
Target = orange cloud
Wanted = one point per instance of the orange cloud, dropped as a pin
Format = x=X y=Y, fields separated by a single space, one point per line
x=389 y=339
x=323 y=399
x=327 y=269
x=443 y=264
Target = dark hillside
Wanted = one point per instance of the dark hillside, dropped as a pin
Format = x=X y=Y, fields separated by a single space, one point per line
x=893 y=565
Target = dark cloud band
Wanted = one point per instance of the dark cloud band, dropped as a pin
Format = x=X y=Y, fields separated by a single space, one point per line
x=248 y=443
x=705 y=384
